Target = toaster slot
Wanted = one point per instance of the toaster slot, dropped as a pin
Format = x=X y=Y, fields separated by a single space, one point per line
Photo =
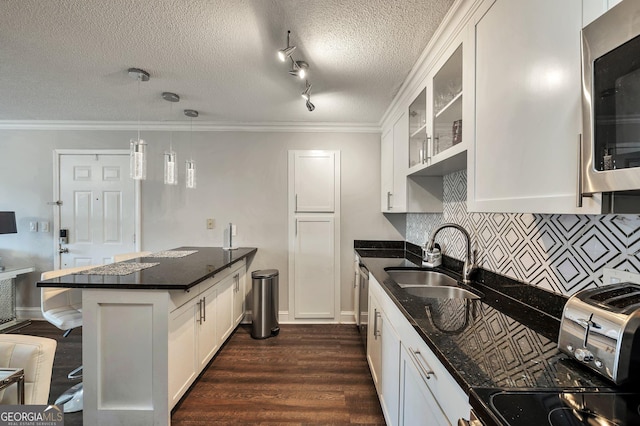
x=606 y=295
x=626 y=301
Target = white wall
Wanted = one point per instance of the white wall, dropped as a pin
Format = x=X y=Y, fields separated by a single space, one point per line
x=241 y=178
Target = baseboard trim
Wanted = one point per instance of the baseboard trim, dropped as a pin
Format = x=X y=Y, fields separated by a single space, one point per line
x=346 y=317
x=29 y=313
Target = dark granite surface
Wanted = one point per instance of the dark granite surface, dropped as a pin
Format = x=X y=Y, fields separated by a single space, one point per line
x=506 y=341
x=179 y=273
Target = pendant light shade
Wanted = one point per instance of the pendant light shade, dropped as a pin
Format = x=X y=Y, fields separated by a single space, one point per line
x=170 y=168
x=138 y=159
x=190 y=165
x=190 y=174
x=138 y=147
x=170 y=156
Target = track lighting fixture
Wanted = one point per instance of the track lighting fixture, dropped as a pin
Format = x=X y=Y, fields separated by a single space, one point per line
x=307 y=91
x=299 y=69
x=310 y=106
x=283 y=54
x=138 y=147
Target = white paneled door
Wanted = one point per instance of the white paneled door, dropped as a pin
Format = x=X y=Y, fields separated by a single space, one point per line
x=98 y=209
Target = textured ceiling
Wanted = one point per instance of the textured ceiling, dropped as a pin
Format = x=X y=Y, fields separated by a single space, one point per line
x=68 y=59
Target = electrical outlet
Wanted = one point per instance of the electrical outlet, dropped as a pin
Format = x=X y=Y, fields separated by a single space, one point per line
x=210 y=223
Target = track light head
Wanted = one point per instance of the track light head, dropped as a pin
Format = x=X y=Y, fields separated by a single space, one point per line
x=285 y=53
x=299 y=69
x=306 y=95
x=310 y=106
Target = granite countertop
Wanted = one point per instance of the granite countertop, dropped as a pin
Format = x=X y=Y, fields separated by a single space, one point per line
x=498 y=342
x=166 y=273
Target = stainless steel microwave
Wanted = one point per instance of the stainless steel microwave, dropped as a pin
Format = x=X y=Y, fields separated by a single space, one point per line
x=610 y=147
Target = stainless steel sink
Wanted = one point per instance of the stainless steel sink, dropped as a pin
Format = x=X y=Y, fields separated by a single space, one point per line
x=406 y=278
x=442 y=292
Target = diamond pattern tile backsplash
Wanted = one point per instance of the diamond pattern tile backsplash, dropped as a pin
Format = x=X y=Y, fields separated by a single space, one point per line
x=562 y=253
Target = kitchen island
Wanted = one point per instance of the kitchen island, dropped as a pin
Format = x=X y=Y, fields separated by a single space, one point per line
x=148 y=334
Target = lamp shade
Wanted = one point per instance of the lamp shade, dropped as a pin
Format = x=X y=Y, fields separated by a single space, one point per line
x=8 y=223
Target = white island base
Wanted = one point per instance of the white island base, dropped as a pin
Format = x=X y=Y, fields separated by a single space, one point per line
x=143 y=349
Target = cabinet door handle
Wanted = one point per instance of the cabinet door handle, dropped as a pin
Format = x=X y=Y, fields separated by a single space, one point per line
x=204 y=309
x=427 y=372
x=200 y=311
x=295 y=207
x=356 y=279
x=376 y=315
x=389 y=200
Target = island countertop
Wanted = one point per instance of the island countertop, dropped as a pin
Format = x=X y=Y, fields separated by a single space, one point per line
x=170 y=273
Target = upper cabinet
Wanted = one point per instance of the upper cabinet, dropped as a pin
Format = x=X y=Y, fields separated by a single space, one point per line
x=436 y=115
x=314 y=181
x=400 y=194
x=527 y=109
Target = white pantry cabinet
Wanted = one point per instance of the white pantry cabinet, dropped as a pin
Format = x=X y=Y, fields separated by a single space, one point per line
x=314 y=181
x=314 y=235
x=527 y=108
x=412 y=384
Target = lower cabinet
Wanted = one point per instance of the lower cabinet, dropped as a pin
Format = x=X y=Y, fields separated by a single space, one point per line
x=413 y=386
x=417 y=403
x=200 y=325
x=383 y=355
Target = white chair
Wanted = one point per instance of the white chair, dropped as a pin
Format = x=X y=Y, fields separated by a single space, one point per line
x=128 y=256
x=62 y=307
x=35 y=356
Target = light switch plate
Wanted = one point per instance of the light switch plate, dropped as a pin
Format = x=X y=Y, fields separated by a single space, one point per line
x=44 y=226
x=33 y=226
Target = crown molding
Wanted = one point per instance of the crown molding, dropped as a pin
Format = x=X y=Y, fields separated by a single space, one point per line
x=305 y=127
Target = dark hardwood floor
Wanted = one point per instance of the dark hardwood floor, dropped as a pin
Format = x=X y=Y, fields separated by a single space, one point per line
x=308 y=374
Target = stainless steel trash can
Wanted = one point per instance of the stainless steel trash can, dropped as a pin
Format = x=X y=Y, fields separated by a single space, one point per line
x=264 y=286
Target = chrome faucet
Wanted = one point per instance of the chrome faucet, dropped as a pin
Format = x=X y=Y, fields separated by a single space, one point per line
x=432 y=256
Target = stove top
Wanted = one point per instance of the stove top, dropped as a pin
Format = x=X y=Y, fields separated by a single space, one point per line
x=558 y=408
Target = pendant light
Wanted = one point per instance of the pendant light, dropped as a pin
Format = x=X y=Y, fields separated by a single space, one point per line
x=138 y=147
x=170 y=157
x=190 y=171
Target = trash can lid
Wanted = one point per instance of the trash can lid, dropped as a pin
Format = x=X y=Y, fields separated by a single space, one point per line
x=265 y=273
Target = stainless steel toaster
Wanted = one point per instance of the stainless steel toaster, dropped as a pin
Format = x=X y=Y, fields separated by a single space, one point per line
x=600 y=328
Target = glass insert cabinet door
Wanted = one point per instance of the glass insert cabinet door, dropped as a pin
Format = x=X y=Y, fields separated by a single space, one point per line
x=616 y=99
x=418 y=147
x=447 y=104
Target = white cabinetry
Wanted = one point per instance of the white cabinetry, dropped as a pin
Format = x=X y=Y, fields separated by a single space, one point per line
x=394 y=157
x=527 y=108
x=412 y=383
x=199 y=323
x=314 y=181
x=383 y=355
x=401 y=194
x=417 y=401
x=314 y=235
x=239 y=296
x=591 y=9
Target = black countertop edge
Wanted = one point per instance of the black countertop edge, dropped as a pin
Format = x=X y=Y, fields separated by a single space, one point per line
x=92 y=281
x=378 y=244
